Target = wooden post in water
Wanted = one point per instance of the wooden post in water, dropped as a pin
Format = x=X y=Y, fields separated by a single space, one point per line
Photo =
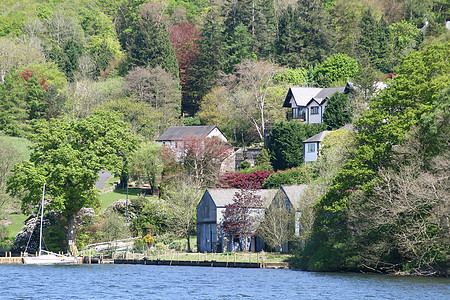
x=206 y=256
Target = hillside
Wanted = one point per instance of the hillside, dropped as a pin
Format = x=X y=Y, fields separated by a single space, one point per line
x=93 y=82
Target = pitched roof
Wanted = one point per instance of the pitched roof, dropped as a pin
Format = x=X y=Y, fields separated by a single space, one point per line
x=222 y=197
x=177 y=133
x=318 y=137
x=328 y=92
x=303 y=95
x=293 y=193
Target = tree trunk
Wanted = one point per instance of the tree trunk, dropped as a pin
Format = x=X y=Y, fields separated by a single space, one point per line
x=188 y=243
x=72 y=235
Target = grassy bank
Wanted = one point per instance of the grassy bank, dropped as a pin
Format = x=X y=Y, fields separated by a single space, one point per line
x=109 y=198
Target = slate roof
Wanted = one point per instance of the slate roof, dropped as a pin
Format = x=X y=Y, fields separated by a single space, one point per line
x=303 y=95
x=222 y=197
x=318 y=137
x=293 y=192
x=178 y=133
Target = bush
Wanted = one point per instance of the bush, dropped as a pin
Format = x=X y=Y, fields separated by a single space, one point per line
x=300 y=175
x=245 y=165
x=254 y=179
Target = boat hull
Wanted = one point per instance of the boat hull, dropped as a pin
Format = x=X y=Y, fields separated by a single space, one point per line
x=49 y=260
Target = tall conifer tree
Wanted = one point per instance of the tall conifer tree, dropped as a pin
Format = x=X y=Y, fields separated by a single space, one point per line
x=204 y=73
x=150 y=45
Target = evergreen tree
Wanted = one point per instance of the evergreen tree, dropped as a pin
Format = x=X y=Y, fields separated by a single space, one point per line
x=374 y=41
x=150 y=45
x=304 y=35
x=286 y=43
x=263 y=28
x=382 y=52
x=203 y=74
x=368 y=41
x=338 y=111
x=239 y=47
x=285 y=143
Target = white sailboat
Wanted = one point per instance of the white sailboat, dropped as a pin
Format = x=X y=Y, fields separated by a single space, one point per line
x=45 y=257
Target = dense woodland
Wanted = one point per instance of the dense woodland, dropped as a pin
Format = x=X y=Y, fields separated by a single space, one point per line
x=112 y=73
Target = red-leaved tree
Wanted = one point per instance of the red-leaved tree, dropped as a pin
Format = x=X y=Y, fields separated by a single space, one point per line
x=184 y=38
x=252 y=180
x=202 y=158
x=241 y=217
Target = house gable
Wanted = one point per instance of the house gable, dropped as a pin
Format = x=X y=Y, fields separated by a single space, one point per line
x=312 y=146
x=308 y=104
x=180 y=133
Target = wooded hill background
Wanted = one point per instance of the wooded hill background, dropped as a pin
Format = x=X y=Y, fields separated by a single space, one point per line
x=155 y=61
x=378 y=197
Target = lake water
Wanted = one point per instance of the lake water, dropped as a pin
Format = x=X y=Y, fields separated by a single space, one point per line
x=176 y=282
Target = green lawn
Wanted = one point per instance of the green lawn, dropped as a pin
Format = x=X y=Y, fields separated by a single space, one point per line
x=23 y=147
x=17 y=223
x=21 y=144
x=109 y=198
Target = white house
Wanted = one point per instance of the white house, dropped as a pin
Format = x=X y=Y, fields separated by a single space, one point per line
x=174 y=136
x=312 y=145
x=308 y=104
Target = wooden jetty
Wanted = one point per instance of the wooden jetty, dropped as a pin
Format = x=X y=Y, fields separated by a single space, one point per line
x=206 y=263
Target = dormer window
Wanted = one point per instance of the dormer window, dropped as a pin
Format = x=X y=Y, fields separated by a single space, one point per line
x=315 y=110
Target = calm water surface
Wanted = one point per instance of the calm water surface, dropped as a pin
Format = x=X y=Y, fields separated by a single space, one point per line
x=175 y=282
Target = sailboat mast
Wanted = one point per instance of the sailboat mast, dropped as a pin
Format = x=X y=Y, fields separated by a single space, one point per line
x=42 y=220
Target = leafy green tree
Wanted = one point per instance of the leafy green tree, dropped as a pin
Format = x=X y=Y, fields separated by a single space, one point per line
x=263 y=160
x=299 y=175
x=338 y=111
x=13 y=107
x=296 y=77
x=285 y=143
x=144 y=120
x=403 y=39
x=182 y=196
x=67 y=156
x=147 y=162
x=337 y=69
x=103 y=43
x=421 y=77
x=278 y=225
